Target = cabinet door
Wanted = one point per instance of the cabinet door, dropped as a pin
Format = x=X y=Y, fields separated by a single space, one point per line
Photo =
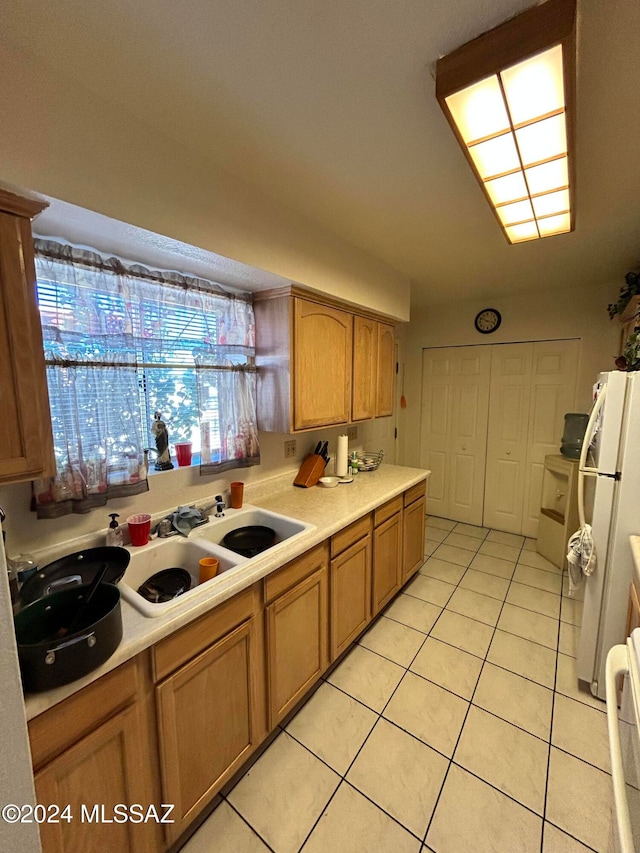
x=99 y=772
x=387 y=560
x=207 y=723
x=322 y=365
x=633 y=613
x=26 y=449
x=365 y=368
x=386 y=371
x=413 y=538
x=350 y=594
x=296 y=643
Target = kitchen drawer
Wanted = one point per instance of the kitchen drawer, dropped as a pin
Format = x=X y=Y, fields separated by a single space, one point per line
x=349 y=535
x=283 y=579
x=59 y=728
x=171 y=653
x=382 y=513
x=415 y=492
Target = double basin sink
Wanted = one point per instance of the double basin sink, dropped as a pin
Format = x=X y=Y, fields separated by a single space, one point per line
x=203 y=541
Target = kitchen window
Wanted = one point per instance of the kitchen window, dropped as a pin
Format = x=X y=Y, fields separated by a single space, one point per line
x=122 y=342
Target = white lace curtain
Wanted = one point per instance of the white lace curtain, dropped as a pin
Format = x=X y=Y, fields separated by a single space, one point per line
x=121 y=342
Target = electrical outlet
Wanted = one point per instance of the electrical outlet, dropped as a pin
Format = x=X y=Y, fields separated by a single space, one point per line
x=289 y=448
x=352 y=433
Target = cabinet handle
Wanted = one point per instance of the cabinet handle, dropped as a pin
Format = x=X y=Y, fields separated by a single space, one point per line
x=508 y=453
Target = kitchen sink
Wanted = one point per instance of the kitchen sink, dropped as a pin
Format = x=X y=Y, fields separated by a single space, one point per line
x=204 y=541
x=285 y=527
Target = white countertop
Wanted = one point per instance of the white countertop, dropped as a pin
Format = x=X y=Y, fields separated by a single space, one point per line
x=328 y=509
x=635 y=552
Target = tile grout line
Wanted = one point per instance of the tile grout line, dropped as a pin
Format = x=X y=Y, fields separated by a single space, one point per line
x=553 y=706
x=379 y=714
x=381 y=717
x=464 y=722
x=242 y=817
x=355 y=758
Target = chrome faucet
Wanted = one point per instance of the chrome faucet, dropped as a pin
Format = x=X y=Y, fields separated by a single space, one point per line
x=220 y=506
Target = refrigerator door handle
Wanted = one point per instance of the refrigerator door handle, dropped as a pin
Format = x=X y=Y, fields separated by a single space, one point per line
x=583 y=469
x=618 y=664
x=588 y=435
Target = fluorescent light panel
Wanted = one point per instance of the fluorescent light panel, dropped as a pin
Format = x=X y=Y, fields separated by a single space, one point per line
x=513 y=125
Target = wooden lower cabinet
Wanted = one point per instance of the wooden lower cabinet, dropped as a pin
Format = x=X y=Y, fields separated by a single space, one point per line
x=350 y=576
x=97 y=774
x=96 y=750
x=387 y=560
x=173 y=724
x=633 y=612
x=414 y=517
x=207 y=723
x=297 y=632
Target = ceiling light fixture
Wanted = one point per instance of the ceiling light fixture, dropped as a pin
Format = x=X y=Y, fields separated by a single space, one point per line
x=509 y=96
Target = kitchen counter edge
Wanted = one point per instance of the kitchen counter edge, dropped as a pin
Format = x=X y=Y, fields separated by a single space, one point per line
x=329 y=510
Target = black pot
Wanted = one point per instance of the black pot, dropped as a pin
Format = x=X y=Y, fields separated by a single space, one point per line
x=250 y=540
x=48 y=659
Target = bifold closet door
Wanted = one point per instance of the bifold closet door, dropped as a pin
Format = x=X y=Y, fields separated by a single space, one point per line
x=533 y=385
x=455 y=405
x=554 y=379
x=510 y=397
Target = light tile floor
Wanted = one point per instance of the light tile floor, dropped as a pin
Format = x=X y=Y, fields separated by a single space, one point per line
x=455 y=724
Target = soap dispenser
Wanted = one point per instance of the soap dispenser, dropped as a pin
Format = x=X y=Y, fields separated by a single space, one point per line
x=114 y=533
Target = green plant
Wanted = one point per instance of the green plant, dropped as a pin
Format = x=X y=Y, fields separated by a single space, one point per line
x=630 y=289
x=630 y=358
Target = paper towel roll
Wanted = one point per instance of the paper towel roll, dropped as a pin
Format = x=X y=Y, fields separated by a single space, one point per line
x=342 y=456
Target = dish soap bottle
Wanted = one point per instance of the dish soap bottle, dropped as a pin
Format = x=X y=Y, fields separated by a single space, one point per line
x=355 y=465
x=114 y=533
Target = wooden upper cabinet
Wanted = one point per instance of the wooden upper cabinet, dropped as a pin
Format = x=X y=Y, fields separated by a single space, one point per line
x=26 y=451
x=386 y=370
x=322 y=365
x=365 y=360
x=319 y=363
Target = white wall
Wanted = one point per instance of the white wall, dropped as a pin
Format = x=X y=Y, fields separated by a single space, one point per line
x=56 y=139
x=571 y=313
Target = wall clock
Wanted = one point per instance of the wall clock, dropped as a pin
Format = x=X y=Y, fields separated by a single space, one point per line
x=488 y=320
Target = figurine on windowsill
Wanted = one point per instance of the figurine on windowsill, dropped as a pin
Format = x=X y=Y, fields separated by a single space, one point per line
x=159 y=430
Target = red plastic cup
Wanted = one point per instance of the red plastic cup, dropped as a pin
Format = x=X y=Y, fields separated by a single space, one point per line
x=183 y=453
x=139 y=528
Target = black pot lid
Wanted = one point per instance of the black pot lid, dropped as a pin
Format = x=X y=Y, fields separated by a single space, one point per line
x=165 y=585
x=64 y=573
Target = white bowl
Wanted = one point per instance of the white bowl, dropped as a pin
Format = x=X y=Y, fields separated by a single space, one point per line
x=329 y=482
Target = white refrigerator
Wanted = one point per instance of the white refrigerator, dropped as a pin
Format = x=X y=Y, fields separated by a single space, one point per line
x=609 y=489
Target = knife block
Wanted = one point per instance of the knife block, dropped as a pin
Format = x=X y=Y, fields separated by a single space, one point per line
x=310 y=471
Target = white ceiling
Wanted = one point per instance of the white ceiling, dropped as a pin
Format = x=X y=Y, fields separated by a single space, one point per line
x=330 y=108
